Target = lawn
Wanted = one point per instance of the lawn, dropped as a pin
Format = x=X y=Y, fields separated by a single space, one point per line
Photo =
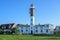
x=28 y=37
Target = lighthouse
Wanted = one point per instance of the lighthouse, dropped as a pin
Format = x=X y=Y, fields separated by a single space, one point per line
x=31 y=19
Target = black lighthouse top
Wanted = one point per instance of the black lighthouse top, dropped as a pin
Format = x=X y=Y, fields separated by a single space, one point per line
x=32 y=5
x=32 y=10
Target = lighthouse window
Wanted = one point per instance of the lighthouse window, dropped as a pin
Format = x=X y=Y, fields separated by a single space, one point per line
x=31 y=19
x=31 y=24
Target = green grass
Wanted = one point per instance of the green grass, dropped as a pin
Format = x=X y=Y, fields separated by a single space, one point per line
x=28 y=37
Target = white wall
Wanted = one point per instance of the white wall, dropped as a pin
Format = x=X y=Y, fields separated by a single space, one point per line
x=24 y=30
x=44 y=28
x=38 y=28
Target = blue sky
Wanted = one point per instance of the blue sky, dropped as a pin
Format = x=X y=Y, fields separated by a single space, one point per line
x=17 y=11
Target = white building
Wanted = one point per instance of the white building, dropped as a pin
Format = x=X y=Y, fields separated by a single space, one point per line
x=35 y=29
x=38 y=29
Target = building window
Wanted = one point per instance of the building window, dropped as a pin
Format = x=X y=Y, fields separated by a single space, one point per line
x=31 y=27
x=41 y=27
x=36 y=30
x=46 y=30
x=36 y=27
x=21 y=27
x=26 y=30
x=41 y=30
x=21 y=30
x=47 y=25
x=2 y=27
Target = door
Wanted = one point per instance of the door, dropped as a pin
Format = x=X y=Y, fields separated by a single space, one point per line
x=31 y=32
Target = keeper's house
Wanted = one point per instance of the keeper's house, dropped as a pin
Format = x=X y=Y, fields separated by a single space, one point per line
x=37 y=29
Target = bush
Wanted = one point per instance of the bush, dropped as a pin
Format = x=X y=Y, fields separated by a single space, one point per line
x=15 y=31
x=1 y=31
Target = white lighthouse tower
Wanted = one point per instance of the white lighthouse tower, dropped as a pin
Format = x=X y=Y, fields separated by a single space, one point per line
x=32 y=19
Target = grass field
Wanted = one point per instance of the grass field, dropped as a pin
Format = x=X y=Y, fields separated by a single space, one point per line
x=28 y=37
